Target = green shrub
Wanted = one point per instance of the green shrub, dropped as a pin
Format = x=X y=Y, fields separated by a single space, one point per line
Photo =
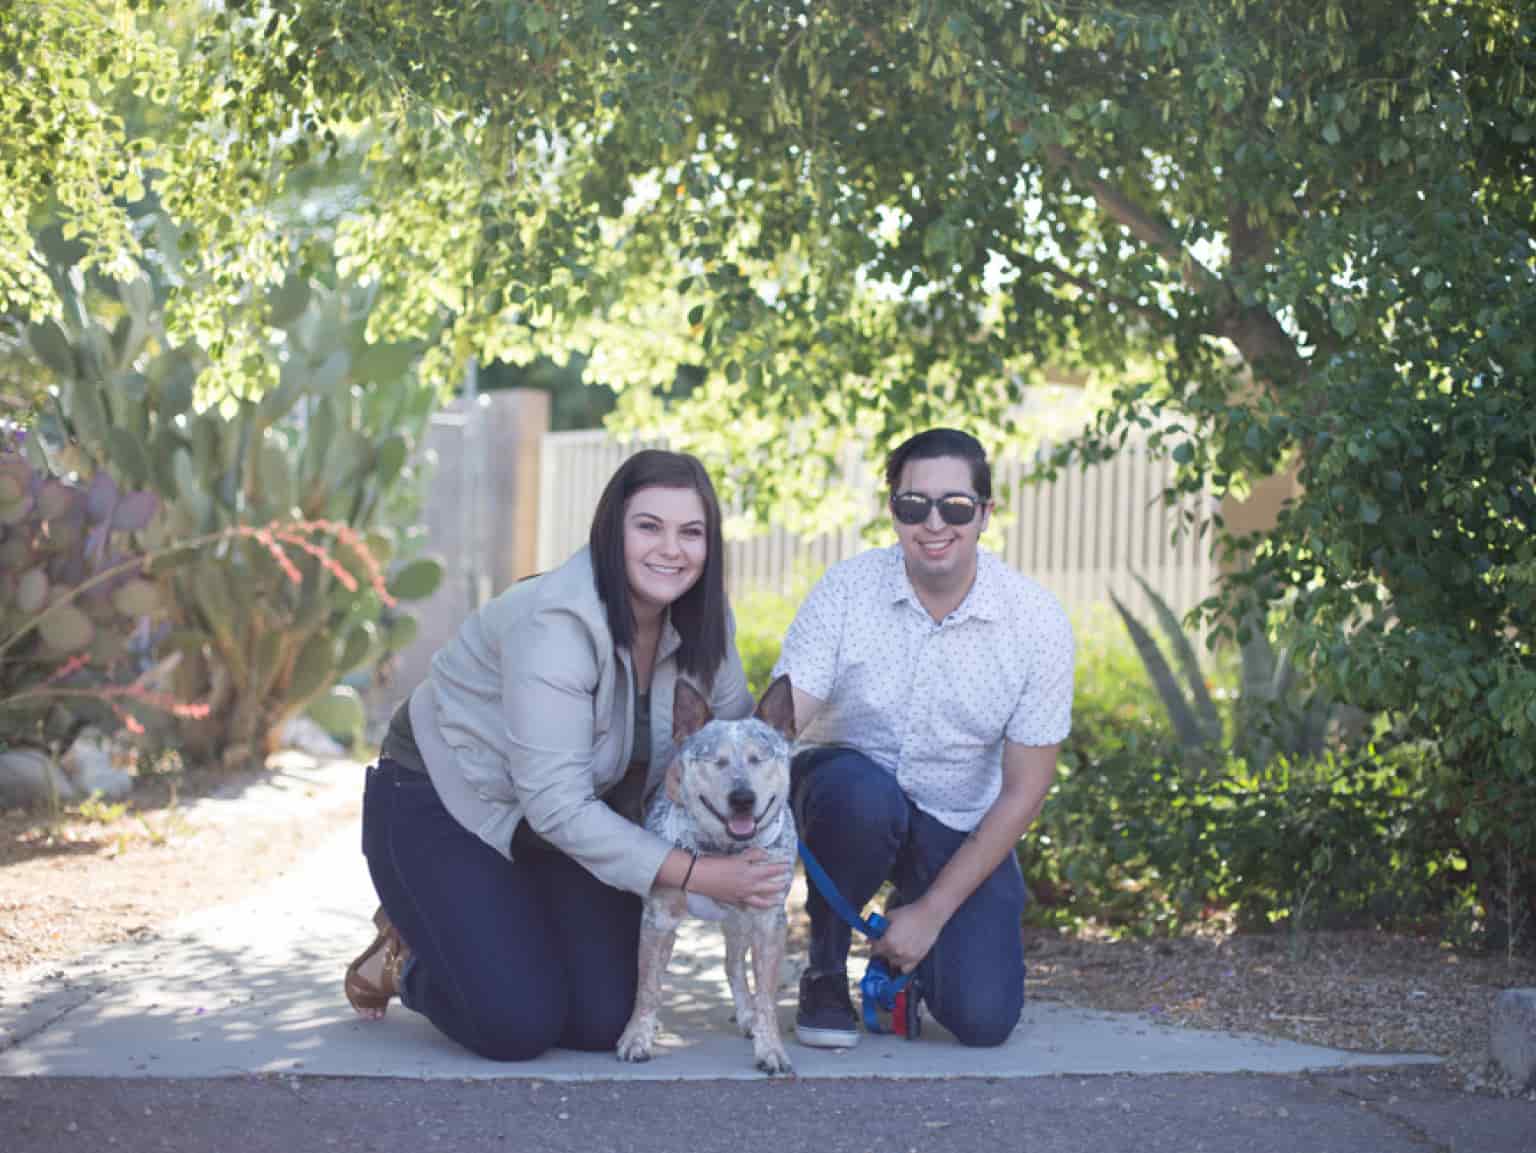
x=1150 y=846
x=762 y=619
x=1143 y=836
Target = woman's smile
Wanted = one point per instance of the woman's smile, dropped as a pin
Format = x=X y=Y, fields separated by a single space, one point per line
x=665 y=545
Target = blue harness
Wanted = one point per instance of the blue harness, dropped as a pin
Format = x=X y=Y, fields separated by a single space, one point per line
x=879 y=989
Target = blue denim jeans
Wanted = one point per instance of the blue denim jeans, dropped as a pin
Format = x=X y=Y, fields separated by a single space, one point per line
x=865 y=831
x=510 y=958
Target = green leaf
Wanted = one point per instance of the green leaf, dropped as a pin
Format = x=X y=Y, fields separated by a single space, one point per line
x=66 y=629
x=1179 y=713
x=278 y=402
x=274 y=475
x=339 y=712
x=389 y=459
x=128 y=454
x=314 y=668
x=385 y=362
x=176 y=376
x=1189 y=662
x=360 y=642
x=402 y=631
x=416 y=580
x=52 y=348
x=320 y=435
x=86 y=411
x=137 y=598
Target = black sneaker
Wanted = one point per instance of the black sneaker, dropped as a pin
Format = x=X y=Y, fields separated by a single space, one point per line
x=826 y=1019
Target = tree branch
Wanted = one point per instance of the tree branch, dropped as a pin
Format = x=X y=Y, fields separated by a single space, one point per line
x=1140 y=223
x=1254 y=330
x=1246 y=243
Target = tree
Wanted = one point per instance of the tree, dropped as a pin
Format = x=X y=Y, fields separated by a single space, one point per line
x=1301 y=231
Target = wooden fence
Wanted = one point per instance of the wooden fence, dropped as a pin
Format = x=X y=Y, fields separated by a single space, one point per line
x=1083 y=535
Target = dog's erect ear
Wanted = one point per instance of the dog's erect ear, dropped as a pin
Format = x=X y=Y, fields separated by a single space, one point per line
x=777 y=708
x=690 y=712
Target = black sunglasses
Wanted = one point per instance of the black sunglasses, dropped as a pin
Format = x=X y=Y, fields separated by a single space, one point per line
x=954 y=507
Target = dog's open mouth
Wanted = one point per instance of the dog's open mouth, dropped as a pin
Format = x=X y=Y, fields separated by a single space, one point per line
x=742 y=826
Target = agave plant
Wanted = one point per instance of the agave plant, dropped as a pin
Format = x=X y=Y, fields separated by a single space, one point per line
x=1192 y=710
x=1275 y=714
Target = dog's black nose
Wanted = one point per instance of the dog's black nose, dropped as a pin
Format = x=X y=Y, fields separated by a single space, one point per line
x=742 y=800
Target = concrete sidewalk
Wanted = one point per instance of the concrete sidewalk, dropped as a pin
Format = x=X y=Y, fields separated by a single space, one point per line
x=255 y=988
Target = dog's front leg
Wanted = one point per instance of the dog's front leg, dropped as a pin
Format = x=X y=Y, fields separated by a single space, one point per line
x=738 y=940
x=658 y=929
x=768 y=933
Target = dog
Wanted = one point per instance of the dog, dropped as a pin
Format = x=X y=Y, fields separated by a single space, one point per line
x=727 y=792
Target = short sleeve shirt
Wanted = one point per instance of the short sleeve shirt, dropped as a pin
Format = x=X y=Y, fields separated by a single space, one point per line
x=933 y=701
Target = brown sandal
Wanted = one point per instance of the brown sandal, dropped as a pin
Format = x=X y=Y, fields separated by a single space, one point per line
x=365 y=996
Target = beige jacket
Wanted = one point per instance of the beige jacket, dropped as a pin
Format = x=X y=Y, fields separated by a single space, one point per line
x=527 y=715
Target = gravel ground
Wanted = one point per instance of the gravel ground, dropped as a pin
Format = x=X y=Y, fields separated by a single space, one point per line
x=1363 y=991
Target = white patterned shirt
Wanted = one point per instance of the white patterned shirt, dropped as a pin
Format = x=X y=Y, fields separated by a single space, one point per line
x=932 y=702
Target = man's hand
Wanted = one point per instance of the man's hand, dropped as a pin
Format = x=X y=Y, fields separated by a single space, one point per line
x=909 y=936
x=1027 y=775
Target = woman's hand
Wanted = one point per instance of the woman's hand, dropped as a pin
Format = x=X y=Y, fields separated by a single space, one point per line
x=752 y=878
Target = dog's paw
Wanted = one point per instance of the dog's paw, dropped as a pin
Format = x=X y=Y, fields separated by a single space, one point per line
x=774 y=1062
x=744 y=1021
x=637 y=1042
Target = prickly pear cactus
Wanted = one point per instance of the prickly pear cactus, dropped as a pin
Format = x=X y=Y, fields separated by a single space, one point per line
x=74 y=604
x=264 y=625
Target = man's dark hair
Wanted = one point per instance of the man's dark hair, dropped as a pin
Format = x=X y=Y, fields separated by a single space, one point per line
x=699 y=614
x=937 y=442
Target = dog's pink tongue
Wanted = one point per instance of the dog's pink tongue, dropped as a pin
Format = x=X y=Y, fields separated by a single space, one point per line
x=742 y=826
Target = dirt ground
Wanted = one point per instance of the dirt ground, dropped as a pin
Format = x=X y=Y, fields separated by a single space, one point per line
x=96 y=874
x=91 y=876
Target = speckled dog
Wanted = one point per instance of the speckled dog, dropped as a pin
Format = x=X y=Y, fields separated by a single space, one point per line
x=729 y=793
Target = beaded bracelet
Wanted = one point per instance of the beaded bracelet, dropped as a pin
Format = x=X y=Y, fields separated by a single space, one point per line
x=693 y=859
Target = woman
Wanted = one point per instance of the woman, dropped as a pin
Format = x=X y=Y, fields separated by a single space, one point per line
x=501 y=822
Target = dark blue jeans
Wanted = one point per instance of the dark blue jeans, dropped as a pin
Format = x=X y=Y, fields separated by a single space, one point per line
x=510 y=958
x=864 y=830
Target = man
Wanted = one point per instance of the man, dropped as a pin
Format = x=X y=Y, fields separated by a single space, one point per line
x=932 y=687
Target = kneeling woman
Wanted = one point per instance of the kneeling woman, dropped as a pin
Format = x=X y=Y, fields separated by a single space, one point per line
x=501 y=823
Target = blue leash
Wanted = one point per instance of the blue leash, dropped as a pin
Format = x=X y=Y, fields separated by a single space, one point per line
x=879 y=987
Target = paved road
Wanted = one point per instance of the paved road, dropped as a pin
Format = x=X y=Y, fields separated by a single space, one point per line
x=1353 y=1112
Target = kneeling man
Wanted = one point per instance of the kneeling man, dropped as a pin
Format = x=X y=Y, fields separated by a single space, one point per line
x=932 y=687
